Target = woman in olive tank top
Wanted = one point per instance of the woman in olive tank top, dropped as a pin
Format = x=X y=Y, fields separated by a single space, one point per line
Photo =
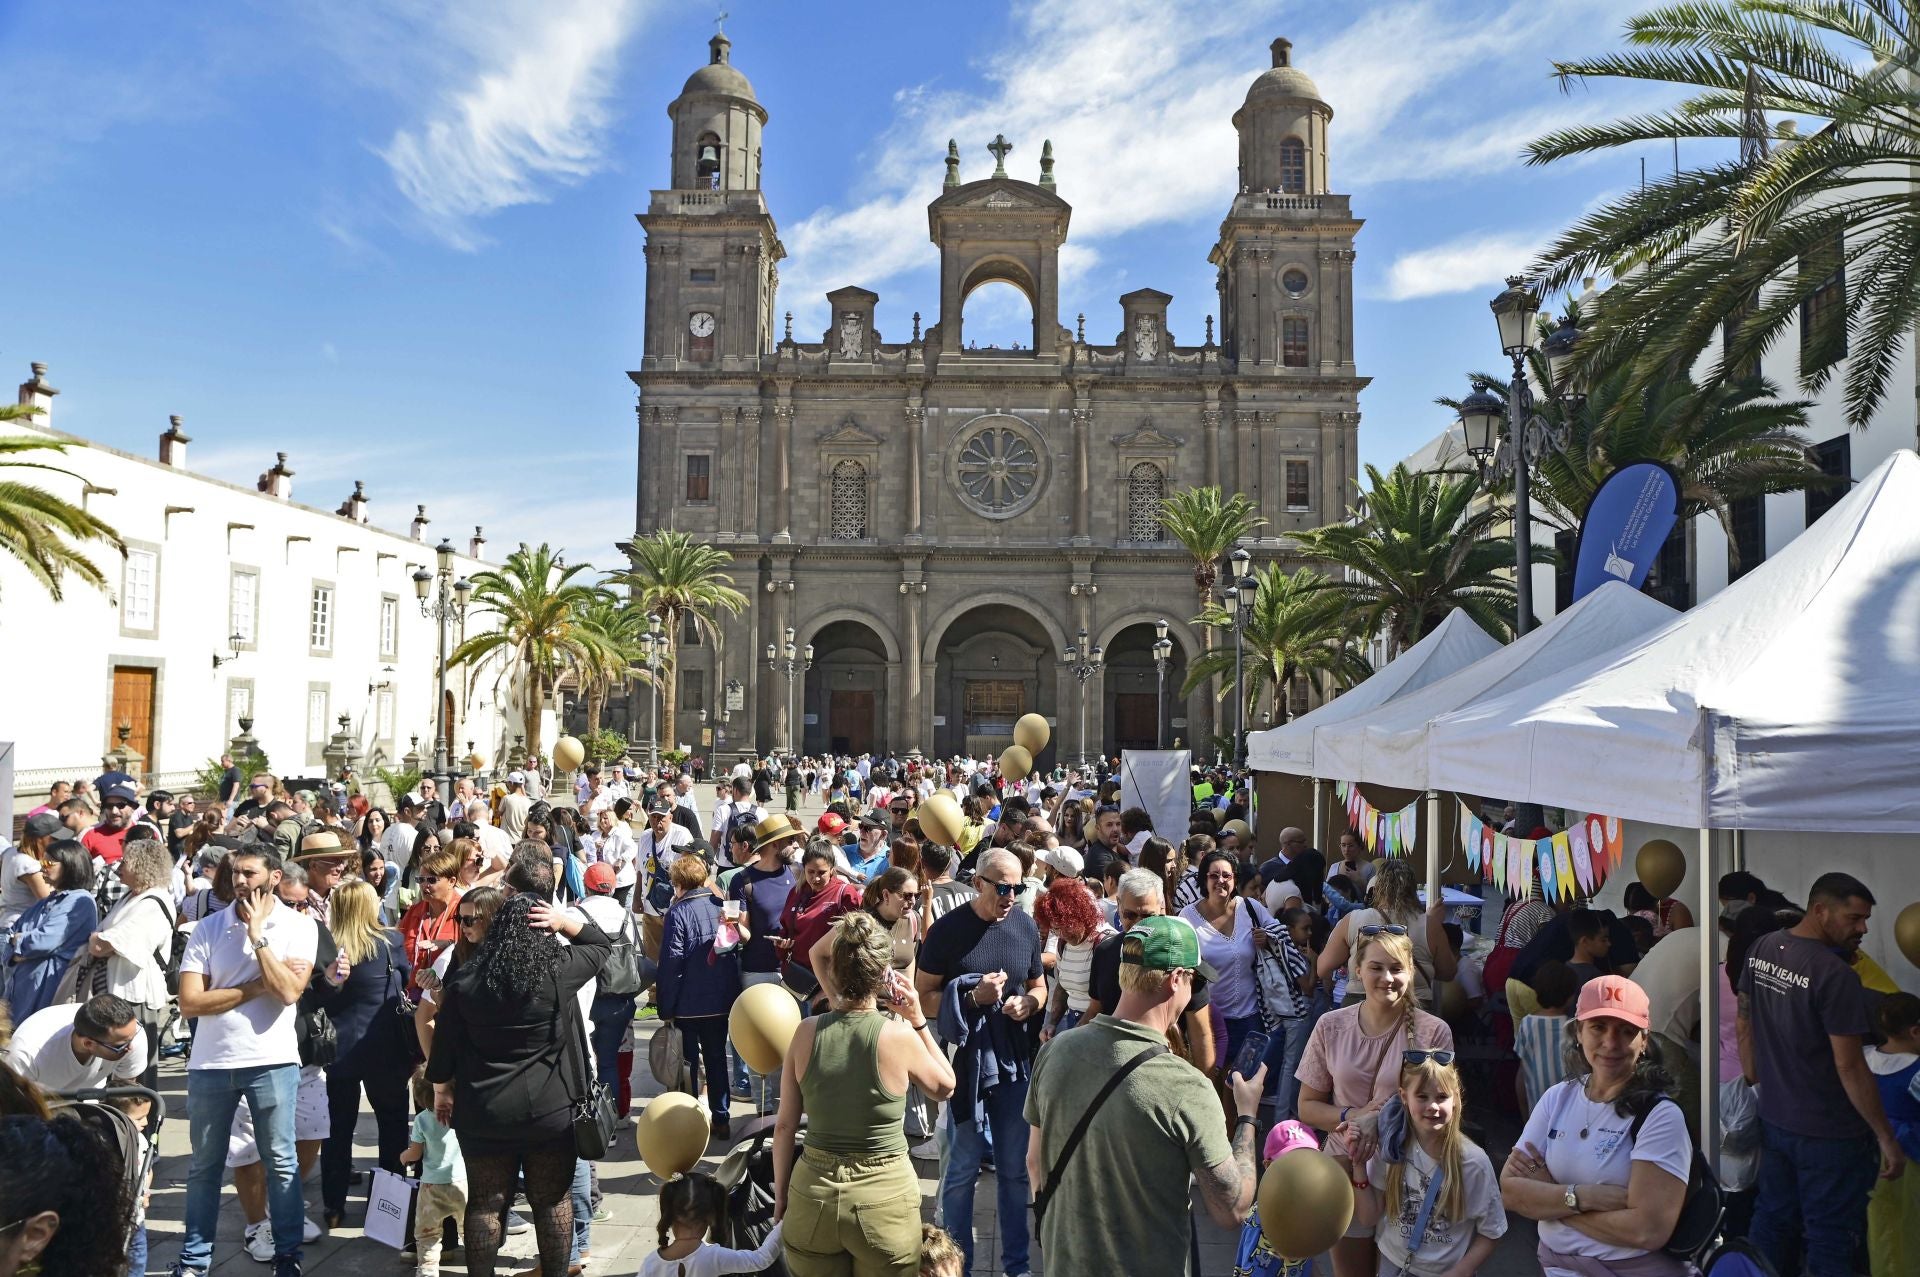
x=852 y=1192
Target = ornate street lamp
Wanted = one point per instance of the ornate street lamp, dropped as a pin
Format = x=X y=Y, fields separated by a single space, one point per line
x=443 y=599
x=653 y=645
x=1083 y=662
x=1162 y=657
x=790 y=660
x=1239 y=598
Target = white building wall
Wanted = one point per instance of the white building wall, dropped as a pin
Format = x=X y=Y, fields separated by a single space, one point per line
x=201 y=534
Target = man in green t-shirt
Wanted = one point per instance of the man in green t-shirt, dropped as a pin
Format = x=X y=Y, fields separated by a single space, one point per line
x=1121 y=1200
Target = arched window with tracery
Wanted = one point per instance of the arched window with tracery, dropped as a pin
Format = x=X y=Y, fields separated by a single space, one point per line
x=1293 y=166
x=848 y=502
x=1145 y=488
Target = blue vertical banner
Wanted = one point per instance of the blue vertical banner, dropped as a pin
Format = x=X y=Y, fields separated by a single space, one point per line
x=1626 y=523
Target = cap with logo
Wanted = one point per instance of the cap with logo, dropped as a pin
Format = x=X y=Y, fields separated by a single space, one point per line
x=1612 y=997
x=830 y=824
x=658 y=808
x=1166 y=944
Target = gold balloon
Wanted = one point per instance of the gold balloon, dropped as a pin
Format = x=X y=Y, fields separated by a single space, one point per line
x=568 y=754
x=1306 y=1203
x=1906 y=932
x=1031 y=733
x=940 y=819
x=1661 y=867
x=761 y=1025
x=1015 y=763
x=476 y=763
x=1239 y=827
x=672 y=1132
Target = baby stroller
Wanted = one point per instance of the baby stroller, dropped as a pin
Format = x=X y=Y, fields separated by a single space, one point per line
x=747 y=1176
x=139 y=1146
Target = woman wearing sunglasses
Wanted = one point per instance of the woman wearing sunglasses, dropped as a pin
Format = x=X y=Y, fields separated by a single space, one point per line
x=1349 y=1072
x=429 y=927
x=1233 y=931
x=472 y=915
x=1396 y=902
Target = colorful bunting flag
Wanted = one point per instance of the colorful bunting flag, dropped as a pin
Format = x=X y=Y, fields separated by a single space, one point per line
x=1577 y=861
x=1385 y=833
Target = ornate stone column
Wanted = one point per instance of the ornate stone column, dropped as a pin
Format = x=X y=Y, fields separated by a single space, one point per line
x=782 y=587
x=1210 y=434
x=913 y=718
x=748 y=462
x=783 y=470
x=916 y=415
x=1082 y=430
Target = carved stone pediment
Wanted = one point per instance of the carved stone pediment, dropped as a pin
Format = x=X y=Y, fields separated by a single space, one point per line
x=849 y=434
x=1147 y=436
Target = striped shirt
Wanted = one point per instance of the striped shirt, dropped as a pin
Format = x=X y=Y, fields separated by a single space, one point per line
x=1539 y=1040
x=1074 y=971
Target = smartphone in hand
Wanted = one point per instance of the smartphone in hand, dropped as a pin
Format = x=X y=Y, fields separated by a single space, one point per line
x=1252 y=1051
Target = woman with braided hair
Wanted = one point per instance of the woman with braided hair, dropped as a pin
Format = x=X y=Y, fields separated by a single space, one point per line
x=1351 y=1066
x=500 y=1072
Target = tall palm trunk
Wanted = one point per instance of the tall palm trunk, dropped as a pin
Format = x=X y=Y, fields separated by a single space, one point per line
x=670 y=685
x=596 y=697
x=536 y=704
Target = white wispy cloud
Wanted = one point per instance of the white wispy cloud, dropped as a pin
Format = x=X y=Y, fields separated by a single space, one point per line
x=1138 y=98
x=1471 y=263
x=520 y=105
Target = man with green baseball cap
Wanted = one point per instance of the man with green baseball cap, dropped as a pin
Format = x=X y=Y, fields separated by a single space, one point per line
x=1119 y=1198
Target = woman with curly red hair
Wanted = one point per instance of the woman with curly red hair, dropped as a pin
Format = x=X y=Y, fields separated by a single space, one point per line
x=1071 y=924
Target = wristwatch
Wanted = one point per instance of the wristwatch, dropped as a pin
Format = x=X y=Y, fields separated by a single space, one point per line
x=257 y=945
x=1573 y=1197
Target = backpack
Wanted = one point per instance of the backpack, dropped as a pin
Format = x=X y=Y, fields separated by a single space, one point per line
x=167 y=957
x=627 y=972
x=1698 y=1227
x=288 y=833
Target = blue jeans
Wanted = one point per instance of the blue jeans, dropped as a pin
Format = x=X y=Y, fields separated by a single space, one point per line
x=582 y=1194
x=1289 y=1043
x=611 y=1016
x=137 y=1253
x=212 y=1097
x=1813 y=1198
x=967 y=1147
x=705 y=1039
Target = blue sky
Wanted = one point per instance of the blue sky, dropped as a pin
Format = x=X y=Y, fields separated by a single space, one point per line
x=395 y=238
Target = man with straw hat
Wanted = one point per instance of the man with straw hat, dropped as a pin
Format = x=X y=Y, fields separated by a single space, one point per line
x=325 y=854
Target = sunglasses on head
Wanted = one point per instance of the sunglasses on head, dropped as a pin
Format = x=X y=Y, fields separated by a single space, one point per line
x=1383 y=928
x=1006 y=889
x=1441 y=1058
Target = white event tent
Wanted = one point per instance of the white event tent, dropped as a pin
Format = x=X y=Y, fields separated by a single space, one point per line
x=1790 y=700
x=1388 y=744
x=1454 y=644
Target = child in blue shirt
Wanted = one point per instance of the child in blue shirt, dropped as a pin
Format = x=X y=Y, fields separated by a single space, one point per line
x=443 y=1176
x=1893 y=1212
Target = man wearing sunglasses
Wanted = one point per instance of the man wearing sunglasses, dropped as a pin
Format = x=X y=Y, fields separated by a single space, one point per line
x=980 y=976
x=82 y=1046
x=107 y=840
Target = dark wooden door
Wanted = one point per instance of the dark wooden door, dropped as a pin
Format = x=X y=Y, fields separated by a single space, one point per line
x=850 y=722
x=1134 y=715
x=133 y=704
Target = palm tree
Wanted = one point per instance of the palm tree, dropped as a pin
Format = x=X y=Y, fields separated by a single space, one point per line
x=540 y=635
x=1825 y=227
x=1725 y=441
x=1208 y=525
x=1418 y=548
x=675 y=577
x=614 y=629
x=1294 y=627
x=40 y=529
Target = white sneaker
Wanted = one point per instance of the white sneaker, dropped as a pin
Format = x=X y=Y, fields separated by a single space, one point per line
x=309 y=1231
x=260 y=1242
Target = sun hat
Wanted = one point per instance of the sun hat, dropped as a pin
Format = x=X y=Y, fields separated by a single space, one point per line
x=775 y=830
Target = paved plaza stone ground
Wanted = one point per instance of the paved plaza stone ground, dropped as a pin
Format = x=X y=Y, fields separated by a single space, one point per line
x=620 y=1244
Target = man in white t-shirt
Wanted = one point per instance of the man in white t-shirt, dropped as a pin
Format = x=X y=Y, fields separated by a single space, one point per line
x=654 y=855
x=80 y=1046
x=396 y=844
x=244 y=969
x=515 y=806
x=492 y=839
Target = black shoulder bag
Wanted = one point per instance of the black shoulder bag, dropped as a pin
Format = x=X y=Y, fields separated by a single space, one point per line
x=1045 y=1195
x=593 y=1117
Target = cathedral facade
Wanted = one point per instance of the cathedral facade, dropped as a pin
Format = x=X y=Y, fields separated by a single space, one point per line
x=937 y=524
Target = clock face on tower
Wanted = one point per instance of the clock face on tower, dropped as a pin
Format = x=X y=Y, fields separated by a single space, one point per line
x=700 y=324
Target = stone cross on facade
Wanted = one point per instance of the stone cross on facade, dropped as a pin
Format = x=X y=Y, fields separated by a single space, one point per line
x=998 y=148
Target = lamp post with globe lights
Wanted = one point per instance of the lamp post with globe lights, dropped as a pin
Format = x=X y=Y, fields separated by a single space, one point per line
x=790 y=660
x=443 y=599
x=1162 y=657
x=1083 y=662
x=1527 y=437
x=653 y=645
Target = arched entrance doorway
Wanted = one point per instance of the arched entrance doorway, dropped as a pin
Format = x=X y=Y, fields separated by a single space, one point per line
x=992 y=664
x=846 y=691
x=1135 y=718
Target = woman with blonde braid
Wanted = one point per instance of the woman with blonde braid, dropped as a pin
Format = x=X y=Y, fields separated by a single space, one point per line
x=1348 y=1072
x=1395 y=899
x=851 y=1201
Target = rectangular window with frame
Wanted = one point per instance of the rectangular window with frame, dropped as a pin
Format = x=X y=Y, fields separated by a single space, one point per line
x=239 y=705
x=389 y=627
x=243 y=607
x=383 y=715
x=1747 y=541
x=320 y=620
x=317 y=698
x=693 y=697
x=701 y=275
x=1835 y=459
x=699 y=477
x=1293 y=343
x=139 y=591
x=1823 y=315
x=689 y=631
x=1299 y=485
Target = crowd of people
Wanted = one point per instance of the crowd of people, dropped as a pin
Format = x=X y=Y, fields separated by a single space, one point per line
x=1107 y=1017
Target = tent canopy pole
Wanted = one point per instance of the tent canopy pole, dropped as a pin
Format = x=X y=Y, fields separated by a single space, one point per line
x=1704 y=912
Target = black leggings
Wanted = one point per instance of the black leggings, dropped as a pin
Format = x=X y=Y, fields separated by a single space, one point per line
x=491 y=1181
